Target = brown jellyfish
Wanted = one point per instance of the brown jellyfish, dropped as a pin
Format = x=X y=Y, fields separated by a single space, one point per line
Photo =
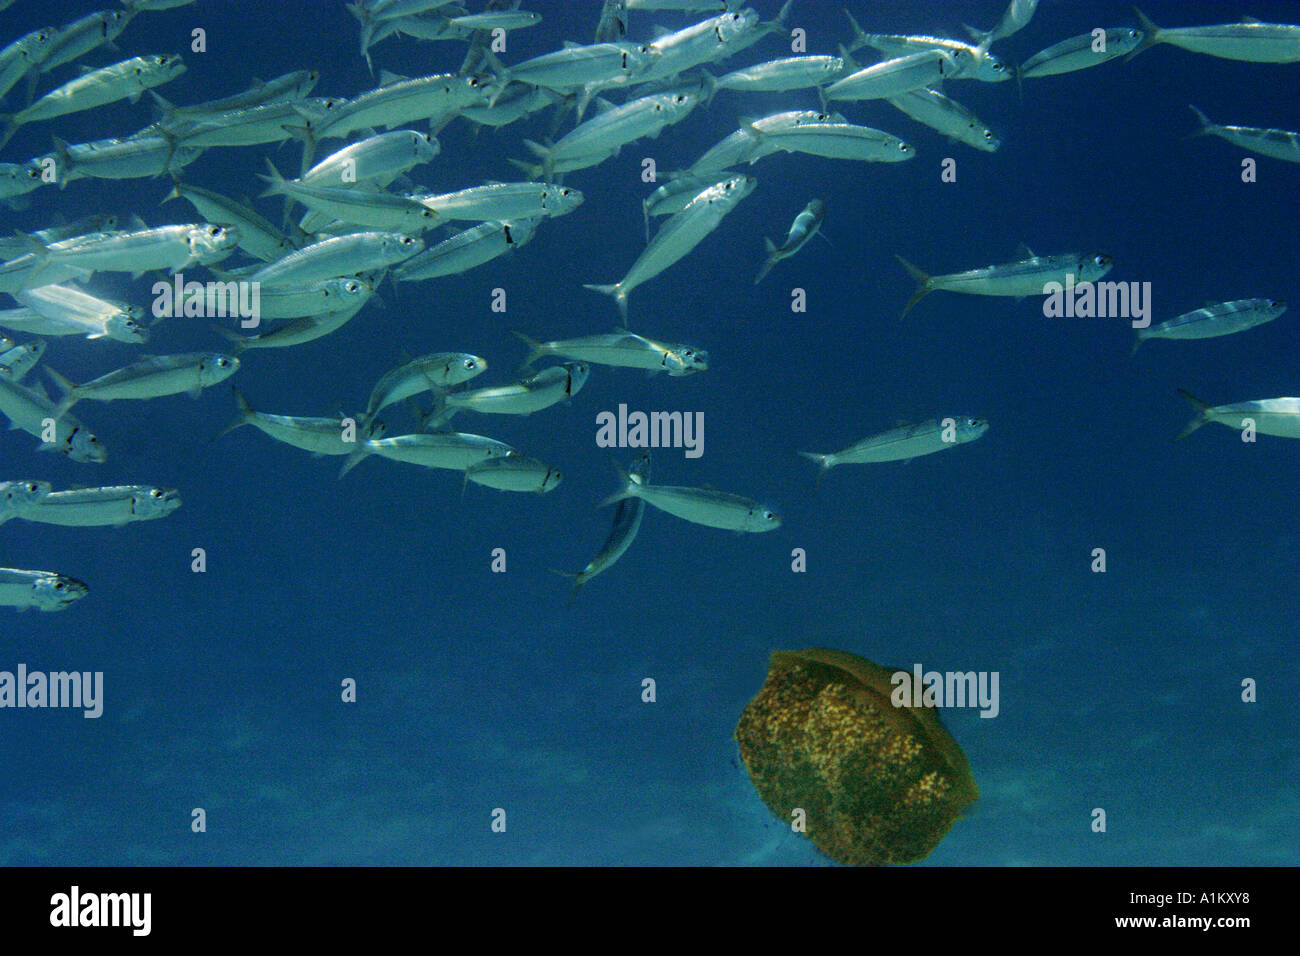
x=876 y=783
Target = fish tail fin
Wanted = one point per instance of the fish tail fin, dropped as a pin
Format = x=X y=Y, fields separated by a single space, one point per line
x=1150 y=34
x=645 y=212
x=437 y=417
x=1137 y=344
x=770 y=247
x=234 y=338
x=710 y=88
x=164 y=108
x=1207 y=127
x=981 y=37
x=1201 y=418
x=11 y=125
x=546 y=168
x=535 y=348
x=616 y=292
x=782 y=16
x=70 y=396
x=922 y=285
x=276 y=181
x=628 y=490
x=362 y=452
x=859 y=35
x=577 y=580
x=531 y=170
x=243 y=413
x=823 y=466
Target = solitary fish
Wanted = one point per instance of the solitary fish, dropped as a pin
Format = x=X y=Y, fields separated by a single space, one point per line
x=1080 y=52
x=1223 y=318
x=624 y=350
x=125 y=80
x=1278 y=143
x=151 y=378
x=905 y=442
x=43 y=590
x=790 y=73
x=1016 y=279
x=1270 y=416
x=1250 y=40
x=452 y=450
x=899 y=75
x=627 y=522
x=679 y=235
x=947 y=116
x=114 y=506
x=805 y=226
x=714 y=509
x=514 y=473
x=320 y=436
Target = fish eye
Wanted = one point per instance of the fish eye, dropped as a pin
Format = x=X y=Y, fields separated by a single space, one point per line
x=768 y=515
x=155 y=494
x=1277 y=304
x=352 y=286
x=1101 y=260
x=988 y=136
x=215 y=231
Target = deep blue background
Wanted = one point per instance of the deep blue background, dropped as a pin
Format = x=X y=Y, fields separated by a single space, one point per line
x=481 y=690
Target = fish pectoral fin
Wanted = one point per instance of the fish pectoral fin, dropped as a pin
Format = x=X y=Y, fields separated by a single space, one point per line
x=1024 y=252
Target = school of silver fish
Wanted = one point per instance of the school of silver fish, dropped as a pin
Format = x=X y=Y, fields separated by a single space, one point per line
x=353 y=217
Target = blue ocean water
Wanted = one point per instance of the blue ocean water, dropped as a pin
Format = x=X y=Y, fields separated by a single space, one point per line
x=479 y=690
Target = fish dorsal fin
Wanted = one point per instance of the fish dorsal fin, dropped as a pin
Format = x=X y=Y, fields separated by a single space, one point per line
x=570 y=44
x=1024 y=252
x=1251 y=20
x=388 y=78
x=603 y=105
x=659 y=32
